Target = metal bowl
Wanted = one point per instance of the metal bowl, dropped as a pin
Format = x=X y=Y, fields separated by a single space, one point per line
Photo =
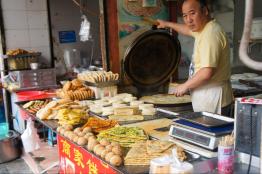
x=34 y=66
x=10 y=147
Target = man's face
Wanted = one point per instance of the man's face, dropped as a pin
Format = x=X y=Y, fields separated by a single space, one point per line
x=194 y=16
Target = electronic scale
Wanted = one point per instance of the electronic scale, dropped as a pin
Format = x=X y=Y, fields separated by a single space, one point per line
x=201 y=128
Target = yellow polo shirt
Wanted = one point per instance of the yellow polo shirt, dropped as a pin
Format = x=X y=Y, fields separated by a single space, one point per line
x=211 y=49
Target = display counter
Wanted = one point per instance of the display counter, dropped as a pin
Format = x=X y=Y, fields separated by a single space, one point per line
x=77 y=159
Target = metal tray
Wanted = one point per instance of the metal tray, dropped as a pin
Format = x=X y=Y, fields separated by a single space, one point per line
x=206 y=119
x=189 y=103
x=191 y=156
x=146 y=118
x=52 y=124
x=102 y=84
x=170 y=105
x=172 y=112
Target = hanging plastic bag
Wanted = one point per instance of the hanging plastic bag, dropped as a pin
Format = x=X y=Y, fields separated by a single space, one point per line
x=84 y=32
x=30 y=138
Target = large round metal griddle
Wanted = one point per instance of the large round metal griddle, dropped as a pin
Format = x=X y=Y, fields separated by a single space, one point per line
x=152 y=58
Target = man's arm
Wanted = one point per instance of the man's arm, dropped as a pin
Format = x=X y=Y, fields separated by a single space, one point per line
x=199 y=79
x=180 y=28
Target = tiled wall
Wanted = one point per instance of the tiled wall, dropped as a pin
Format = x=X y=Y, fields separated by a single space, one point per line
x=70 y=20
x=26 y=26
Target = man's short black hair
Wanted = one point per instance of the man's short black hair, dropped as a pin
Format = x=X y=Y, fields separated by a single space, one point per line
x=203 y=4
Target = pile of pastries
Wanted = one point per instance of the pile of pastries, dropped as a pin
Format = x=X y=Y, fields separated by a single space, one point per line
x=143 y=152
x=98 y=76
x=75 y=90
x=16 y=52
x=36 y=105
x=110 y=151
x=67 y=112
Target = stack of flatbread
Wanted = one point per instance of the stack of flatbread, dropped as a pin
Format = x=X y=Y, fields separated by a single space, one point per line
x=125 y=136
x=139 y=155
x=98 y=76
x=166 y=99
x=99 y=125
x=50 y=111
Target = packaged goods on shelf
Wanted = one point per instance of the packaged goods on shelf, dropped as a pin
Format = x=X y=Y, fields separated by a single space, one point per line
x=20 y=59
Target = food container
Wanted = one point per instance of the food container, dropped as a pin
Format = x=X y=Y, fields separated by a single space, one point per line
x=225 y=159
x=34 y=65
x=160 y=165
x=101 y=92
x=183 y=168
x=256 y=31
x=3 y=130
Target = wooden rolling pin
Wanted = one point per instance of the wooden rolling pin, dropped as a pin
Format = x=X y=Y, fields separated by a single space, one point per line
x=150 y=20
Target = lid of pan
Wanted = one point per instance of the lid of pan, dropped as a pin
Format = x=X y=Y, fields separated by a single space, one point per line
x=152 y=58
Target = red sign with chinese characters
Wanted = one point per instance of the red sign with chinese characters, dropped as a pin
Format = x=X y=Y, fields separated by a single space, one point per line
x=251 y=101
x=75 y=159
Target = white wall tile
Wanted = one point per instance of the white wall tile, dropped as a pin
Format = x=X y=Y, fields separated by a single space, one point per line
x=26 y=26
x=36 y=5
x=45 y=51
x=39 y=37
x=37 y=19
x=13 y=5
x=15 y=19
x=45 y=54
x=17 y=38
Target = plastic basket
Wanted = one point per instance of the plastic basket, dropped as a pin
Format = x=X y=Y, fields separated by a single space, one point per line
x=3 y=130
x=2 y=113
x=32 y=95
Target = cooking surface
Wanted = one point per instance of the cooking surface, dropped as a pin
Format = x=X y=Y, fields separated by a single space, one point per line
x=152 y=58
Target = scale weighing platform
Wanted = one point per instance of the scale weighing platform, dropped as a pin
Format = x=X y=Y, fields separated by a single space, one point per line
x=201 y=128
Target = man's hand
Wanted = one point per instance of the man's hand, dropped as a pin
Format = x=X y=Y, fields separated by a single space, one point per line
x=199 y=79
x=180 y=90
x=180 y=28
x=161 y=23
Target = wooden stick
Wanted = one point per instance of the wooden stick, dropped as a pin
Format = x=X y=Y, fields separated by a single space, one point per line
x=150 y=20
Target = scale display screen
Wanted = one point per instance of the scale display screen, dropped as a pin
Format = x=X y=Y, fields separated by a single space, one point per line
x=191 y=136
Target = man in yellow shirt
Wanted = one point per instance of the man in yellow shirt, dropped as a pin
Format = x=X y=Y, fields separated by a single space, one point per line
x=209 y=81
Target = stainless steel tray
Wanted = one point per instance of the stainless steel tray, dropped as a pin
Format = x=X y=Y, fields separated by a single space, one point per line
x=146 y=118
x=52 y=124
x=102 y=84
x=206 y=119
